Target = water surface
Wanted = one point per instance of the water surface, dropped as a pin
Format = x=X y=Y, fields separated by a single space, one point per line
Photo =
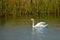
x=25 y=32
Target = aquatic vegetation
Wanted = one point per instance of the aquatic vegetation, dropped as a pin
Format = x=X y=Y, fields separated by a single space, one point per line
x=40 y=9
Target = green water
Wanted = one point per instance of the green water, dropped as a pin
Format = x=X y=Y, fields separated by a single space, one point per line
x=25 y=19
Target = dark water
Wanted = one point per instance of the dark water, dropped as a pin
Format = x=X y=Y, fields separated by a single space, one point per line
x=18 y=32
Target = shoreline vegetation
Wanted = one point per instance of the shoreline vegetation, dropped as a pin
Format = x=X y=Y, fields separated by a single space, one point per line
x=43 y=10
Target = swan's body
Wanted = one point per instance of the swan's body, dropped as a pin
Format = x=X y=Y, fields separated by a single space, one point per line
x=39 y=25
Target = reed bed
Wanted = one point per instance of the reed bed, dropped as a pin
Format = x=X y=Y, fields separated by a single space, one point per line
x=48 y=10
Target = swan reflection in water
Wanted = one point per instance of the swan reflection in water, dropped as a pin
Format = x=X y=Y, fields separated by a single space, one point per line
x=39 y=34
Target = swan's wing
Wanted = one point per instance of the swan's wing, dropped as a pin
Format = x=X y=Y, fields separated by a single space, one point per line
x=41 y=24
x=38 y=24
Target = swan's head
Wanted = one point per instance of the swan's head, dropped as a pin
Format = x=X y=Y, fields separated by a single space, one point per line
x=32 y=19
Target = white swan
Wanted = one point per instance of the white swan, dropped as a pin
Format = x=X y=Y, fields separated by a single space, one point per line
x=39 y=25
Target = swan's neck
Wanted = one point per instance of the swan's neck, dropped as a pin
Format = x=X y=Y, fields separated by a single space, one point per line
x=33 y=23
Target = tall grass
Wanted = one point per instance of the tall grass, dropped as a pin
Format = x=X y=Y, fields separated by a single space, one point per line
x=43 y=9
